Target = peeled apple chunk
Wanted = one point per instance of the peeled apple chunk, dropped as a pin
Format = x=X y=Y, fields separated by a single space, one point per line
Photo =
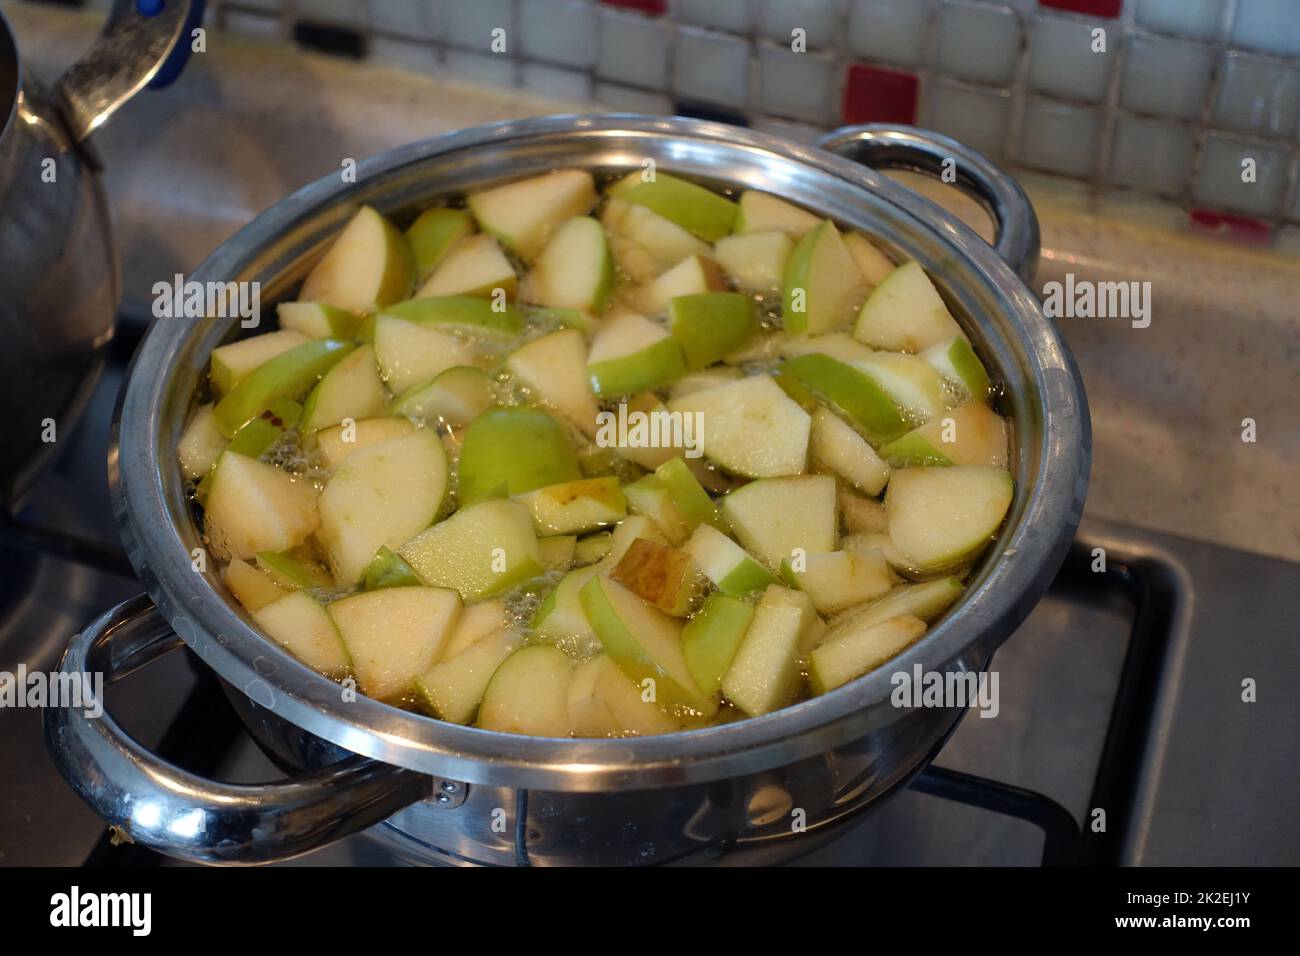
x=481 y=551
x=252 y=588
x=822 y=285
x=603 y=702
x=575 y=270
x=513 y=451
x=232 y=362
x=630 y=354
x=764 y=676
x=856 y=650
x=732 y=570
x=523 y=214
x=454 y=687
x=775 y=516
x=476 y=621
x=699 y=211
x=302 y=626
x=475 y=267
x=381 y=496
x=335 y=444
x=369 y=266
x=971 y=434
x=252 y=506
x=289 y=375
x=649 y=496
x=554 y=370
x=409 y=354
x=751 y=427
x=755 y=260
x=839 y=579
x=941 y=516
x=760 y=212
x=872 y=263
x=836 y=446
x=529 y=694
x=926 y=600
x=905 y=313
x=394 y=635
x=694 y=274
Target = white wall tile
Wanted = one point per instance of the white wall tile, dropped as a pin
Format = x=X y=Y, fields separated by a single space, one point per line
x=633 y=49
x=1220 y=183
x=801 y=86
x=711 y=68
x=1269 y=25
x=627 y=99
x=1061 y=61
x=731 y=16
x=979 y=42
x=1059 y=137
x=819 y=19
x=406 y=18
x=1151 y=155
x=978 y=118
x=470 y=25
x=1198 y=19
x=558 y=31
x=890 y=31
x=1257 y=96
x=492 y=69
x=1165 y=77
x=546 y=80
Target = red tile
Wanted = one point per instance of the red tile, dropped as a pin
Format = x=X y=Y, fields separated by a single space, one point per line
x=656 y=8
x=1098 y=8
x=876 y=95
x=1231 y=225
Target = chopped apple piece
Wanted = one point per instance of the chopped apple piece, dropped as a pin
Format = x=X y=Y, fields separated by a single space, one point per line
x=913 y=384
x=874 y=265
x=474 y=267
x=603 y=702
x=387 y=570
x=465 y=313
x=688 y=496
x=557 y=551
x=351 y=389
x=822 y=286
x=395 y=634
x=862 y=515
x=433 y=234
x=627 y=531
x=287 y=376
x=836 y=446
x=644 y=243
x=764 y=676
x=751 y=427
x=576 y=506
x=711 y=638
x=630 y=353
x=554 y=370
x=201 y=443
x=316 y=320
x=664 y=576
x=252 y=588
x=592 y=548
x=294 y=570
x=838 y=345
x=481 y=551
x=957 y=362
x=847 y=654
x=761 y=212
x=335 y=444
x=732 y=570
x=852 y=393
x=775 y=516
x=756 y=260
x=648 y=496
x=839 y=579
x=645 y=406
x=523 y=214
x=529 y=694
x=926 y=600
x=368 y=266
x=697 y=210
x=575 y=270
x=410 y=354
x=300 y=624
x=905 y=313
x=971 y=434
x=880 y=541
x=454 y=398
x=513 y=451
x=454 y=687
x=476 y=621
x=703 y=379
x=560 y=618
x=692 y=275
x=232 y=363
x=940 y=517
x=710 y=325
x=252 y=506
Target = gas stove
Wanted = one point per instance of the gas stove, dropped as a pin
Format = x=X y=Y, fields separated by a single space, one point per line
x=1123 y=732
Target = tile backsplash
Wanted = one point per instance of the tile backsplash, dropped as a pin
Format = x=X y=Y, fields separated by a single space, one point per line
x=1193 y=101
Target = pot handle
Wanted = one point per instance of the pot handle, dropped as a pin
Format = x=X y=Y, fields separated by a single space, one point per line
x=884 y=146
x=137 y=47
x=182 y=815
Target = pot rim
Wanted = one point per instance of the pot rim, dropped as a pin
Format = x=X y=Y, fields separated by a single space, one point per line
x=1000 y=593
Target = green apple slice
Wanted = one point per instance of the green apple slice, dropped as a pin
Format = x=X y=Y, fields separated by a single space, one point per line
x=467 y=313
x=862 y=515
x=651 y=244
x=351 y=389
x=732 y=570
x=762 y=212
x=647 y=496
x=381 y=496
x=692 y=275
x=926 y=600
x=764 y=676
x=252 y=588
x=774 y=517
x=839 y=579
x=394 y=635
x=454 y=687
x=874 y=265
x=289 y=375
x=939 y=517
x=523 y=214
x=838 y=345
x=201 y=443
x=476 y=622
x=454 y=398
x=257 y=437
x=316 y=320
x=335 y=444
x=481 y=551
x=851 y=393
x=860 y=650
x=592 y=548
x=648 y=456
x=293 y=571
x=699 y=211
x=880 y=541
x=688 y=496
x=475 y=267
x=630 y=354
x=369 y=266
x=560 y=618
x=912 y=383
x=905 y=313
x=957 y=362
x=711 y=638
x=756 y=260
x=529 y=694
x=300 y=624
x=704 y=379
x=410 y=354
x=517 y=449
x=252 y=506
x=387 y=570
x=232 y=363
x=710 y=325
x=644 y=642
x=433 y=234
x=557 y=551
x=836 y=446
x=750 y=427
x=603 y=702
x=554 y=370
x=822 y=286
x=970 y=434
x=663 y=576
x=575 y=270
x=573 y=507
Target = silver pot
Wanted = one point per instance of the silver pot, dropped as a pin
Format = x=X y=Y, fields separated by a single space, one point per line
x=59 y=285
x=762 y=789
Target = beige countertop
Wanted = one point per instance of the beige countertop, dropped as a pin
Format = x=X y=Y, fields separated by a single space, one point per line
x=249 y=122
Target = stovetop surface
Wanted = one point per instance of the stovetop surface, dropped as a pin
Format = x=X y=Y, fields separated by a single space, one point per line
x=1122 y=692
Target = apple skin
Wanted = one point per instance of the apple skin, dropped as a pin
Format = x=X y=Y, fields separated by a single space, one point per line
x=832 y=286
x=469 y=312
x=665 y=577
x=515 y=450
x=433 y=234
x=388 y=570
x=289 y=375
x=699 y=211
x=648 y=368
x=958 y=363
x=235 y=360
x=710 y=639
x=293 y=572
x=688 y=495
x=709 y=325
x=851 y=392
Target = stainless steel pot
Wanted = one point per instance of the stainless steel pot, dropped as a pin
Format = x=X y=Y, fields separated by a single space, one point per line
x=59 y=285
x=762 y=789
